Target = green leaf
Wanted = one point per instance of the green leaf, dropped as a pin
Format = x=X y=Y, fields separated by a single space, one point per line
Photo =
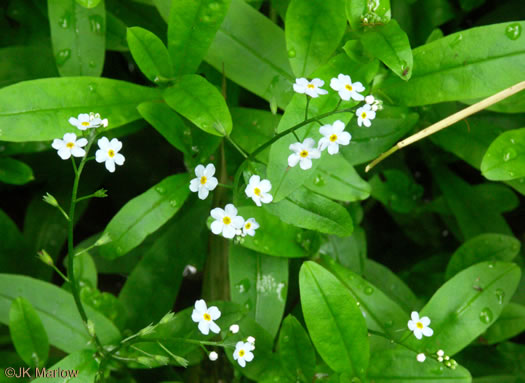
x=57 y=311
x=387 y=128
x=472 y=214
x=389 y=283
x=150 y=54
x=27 y=333
x=505 y=157
x=334 y=321
x=402 y=366
x=78 y=34
x=144 y=214
x=80 y=366
x=313 y=32
x=115 y=34
x=152 y=287
x=389 y=43
x=296 y=352
x=312 y=211
x=42 y=103
x=348 y=251
x=484 y=247
x=167 y=123
x=15 y=172
x=448 y=69
x=397 y=191
x=273 y=236
x=88 y=3
x=465 y=306
x=259 y=282
x=191 y=29
x=247 y=40
x=510 y=323
x=14 y=251
x=354 y=10
x=200 y=102
x=18 y=63
x=335 y=178
x=381 y=313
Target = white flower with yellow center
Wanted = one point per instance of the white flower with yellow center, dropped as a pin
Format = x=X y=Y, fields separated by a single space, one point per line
x=85 y=121
x=311 y=88
x=258 y=190
x=69 y=146
x=303 y=154
x=346 y=89
x=227 y=222
x=108 y=152
x=364 y=115
x=243 y=353
x=205 y=182
x=205 y=317
x=333 y=136
x=419 y=326
x=250 y=225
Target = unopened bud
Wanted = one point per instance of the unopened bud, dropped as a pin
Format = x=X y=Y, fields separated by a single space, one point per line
x=104 y=238
x=162 y=359
x=91 y=328
x=100 y=193
x=45 y=257
x=147 y=330
x=48 y=198
x=146 y=361
x=213 y=356
x=167 y=318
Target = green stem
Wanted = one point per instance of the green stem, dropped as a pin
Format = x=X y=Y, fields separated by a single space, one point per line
x=296 y=137
x=373 y=332
x=306 y=109
x=239 y=149
x=71 y=255
x=225 y=186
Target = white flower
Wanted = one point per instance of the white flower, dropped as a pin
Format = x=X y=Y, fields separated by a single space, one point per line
x=251 y=340
x=70 y=146
x=364 y=115
x=243 y=353
x=311 y=88
x=369 y=99
x=347 y=90
x=304 y=152
x=421 y=357
x=189 y=270
x=258 y=190
x=109 y=153
x=334 y=135
x=420 y=326
x=205 y=317
x=85 y=121
x=227 y=222
x=440 y=353
x=234 y=328
x=205 y=182
x=213 y=356
x=374 y=103
x=250 y=225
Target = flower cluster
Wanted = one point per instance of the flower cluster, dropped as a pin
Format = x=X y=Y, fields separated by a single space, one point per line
x=333 y=135
x=440 y=357
x=71 y=146
x=228 y=224
x=206 y=317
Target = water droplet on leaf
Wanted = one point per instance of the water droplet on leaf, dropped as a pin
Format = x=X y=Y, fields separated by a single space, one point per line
x=513 y=31
x=160 y=190
x=173 y=203
x=500 y=295
x=369 y=290
x=96 y=23
x=243 y=286
x=291 y=53
x=319 y=180
x=509 y=154
x=62 y=56
x=64 y=21
x=485 y=316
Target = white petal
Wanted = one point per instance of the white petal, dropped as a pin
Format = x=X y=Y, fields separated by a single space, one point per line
x=212 y=183
x=265 y=186
x=305 y=163
x=317 y=82
x=230 y=210
x=199 y=171
x=333 y=148
x=228 y=231
x=209 y=171
x=214 y=328
x=70 y=137
x=266 y=198
x=322 y=91
x=110 y=165
x=338 y=126
x=103 y=143
x=296 y=147
x=326 y=130
x=344 y=138
x=293 y=159
x=309 y=143
x=323 y=143
x=411 y=325
x=64 y=153
x=360 y=121
x=196 y=316
x=214 y=312
x=301 y=81
x=203 y=193
x=425 y=321
x=427 y=331
x=119 y=159
x=371 y=115
x=358 y=87
x=367 y=122
x=200 y=305
x=116 y=144
x=216 y=227
x=73 y=121
x=248 y=356
x=204 y=327
x=82 y=142
x=345 y=94
x=315 y=153
x=217 y=213
x=254 y=180
x=299 y=88
x=311 y=92
x=417 y=333
x=78 y=152
x=256 y=199
x=237 y=222
x=100 y=155
x=249 y=191
x=344 y=78
x=57 y=144
x=335 y=84
x=241 y=361
x=414 y=316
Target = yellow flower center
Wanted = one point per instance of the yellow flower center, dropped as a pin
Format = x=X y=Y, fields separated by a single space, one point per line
x=310 y=86
x=304 y=153
x=348 y=87
x=111 y=153
x=70 y=145
x=85 y=123
x=226 y=220
x=419 y=325
x=203 y=180
x=248 y=225
x=207 y=317
x=333 y=138
x=241 y=353
x=257 y=191
x=363 y=115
